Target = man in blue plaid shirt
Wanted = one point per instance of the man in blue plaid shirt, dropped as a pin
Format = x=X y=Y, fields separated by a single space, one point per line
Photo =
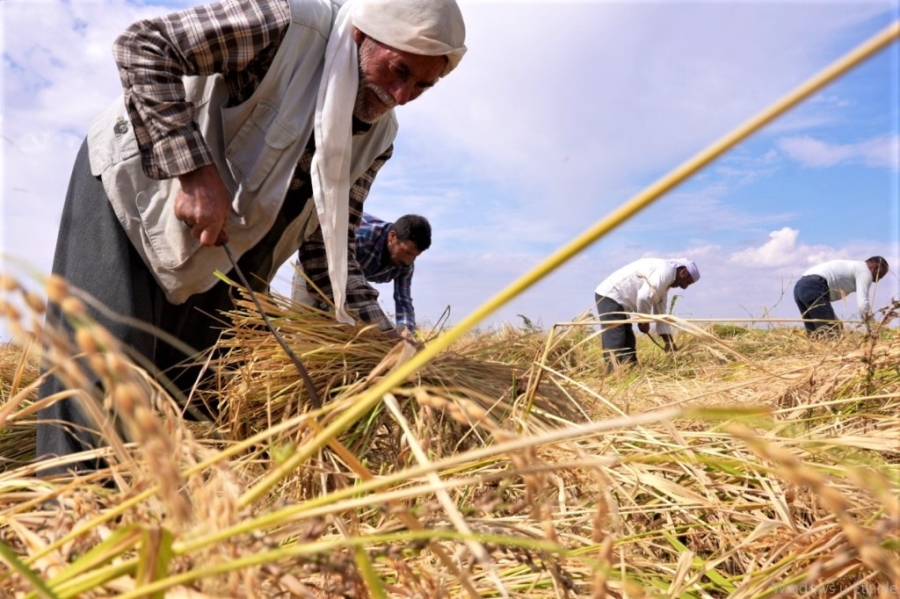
x=384 y=252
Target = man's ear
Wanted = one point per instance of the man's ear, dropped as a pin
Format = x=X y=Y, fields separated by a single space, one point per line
x=358 y=36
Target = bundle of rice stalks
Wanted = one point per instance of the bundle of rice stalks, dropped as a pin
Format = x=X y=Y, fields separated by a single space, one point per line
x=566 y=351
x=259 y=385
x=18 y=371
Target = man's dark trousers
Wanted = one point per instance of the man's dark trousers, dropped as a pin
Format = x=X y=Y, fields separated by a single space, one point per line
x=93 y=252
x=814 y=301
x=619 y=342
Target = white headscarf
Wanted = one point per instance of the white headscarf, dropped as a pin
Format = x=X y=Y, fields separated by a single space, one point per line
x=425 y=27
x=691 y=267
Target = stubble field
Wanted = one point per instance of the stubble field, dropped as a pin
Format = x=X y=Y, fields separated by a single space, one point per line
x=752 y=463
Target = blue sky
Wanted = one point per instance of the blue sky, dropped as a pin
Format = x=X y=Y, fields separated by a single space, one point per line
x=559 y=113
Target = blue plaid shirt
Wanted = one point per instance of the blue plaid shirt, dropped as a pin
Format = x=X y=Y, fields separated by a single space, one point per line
x=371 y=253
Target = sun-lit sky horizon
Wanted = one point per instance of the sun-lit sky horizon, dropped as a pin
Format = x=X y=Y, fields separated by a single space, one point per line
x=559 y=113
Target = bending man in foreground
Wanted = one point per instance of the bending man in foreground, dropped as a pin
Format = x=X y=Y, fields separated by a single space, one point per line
x=831 y=281
x=385 y=252
x=246 y=122
x=640 y=287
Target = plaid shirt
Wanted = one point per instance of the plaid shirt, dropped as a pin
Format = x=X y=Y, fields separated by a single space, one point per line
x=371 y=252
x=361 y=297
x=239 y=39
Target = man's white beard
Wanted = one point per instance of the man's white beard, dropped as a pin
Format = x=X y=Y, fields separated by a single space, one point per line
x=368 y=112
x=364 y=111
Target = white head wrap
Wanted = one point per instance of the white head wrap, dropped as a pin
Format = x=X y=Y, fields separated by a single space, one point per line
x=425 y=27
x=690 y=266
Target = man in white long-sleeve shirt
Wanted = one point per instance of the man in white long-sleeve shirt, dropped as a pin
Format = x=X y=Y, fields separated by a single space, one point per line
x=640 y=287
x=831 y=281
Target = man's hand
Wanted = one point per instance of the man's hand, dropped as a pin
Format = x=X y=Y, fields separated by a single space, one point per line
x=203 y=204
x=644 y=327
x=670 y=343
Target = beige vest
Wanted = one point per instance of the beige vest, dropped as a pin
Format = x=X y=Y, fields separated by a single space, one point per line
x=255 y=145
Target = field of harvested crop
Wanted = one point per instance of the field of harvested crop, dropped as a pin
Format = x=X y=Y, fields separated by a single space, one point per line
x=752 y=463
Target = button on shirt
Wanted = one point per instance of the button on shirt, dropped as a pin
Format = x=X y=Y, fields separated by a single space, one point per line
x=642 y=287
x=374 y=261
x=843 y=278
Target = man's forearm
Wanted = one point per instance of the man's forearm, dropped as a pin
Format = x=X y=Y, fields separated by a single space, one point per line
x=369 y=311
x=408 y=321
x=406 y=314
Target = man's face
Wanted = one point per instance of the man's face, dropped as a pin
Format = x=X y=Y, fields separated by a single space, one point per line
x=683 y=278
x=389 y=77
x=877 y=273
x=401 y=253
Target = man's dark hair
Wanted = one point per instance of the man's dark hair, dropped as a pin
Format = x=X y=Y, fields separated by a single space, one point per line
x=880 y=262
x=415 y=228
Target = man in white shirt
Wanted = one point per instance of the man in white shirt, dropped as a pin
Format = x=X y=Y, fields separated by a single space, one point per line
x=831 y=281
x=640 y=287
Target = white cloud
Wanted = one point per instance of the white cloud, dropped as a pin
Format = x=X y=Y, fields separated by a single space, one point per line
x=778 y=251
x=783 y=250
x=594 y=105
x=880 y=152
x=58 y=73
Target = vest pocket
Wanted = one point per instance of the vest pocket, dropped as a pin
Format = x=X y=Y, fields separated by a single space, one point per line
x=170 y=239
x=255 y=149
x=111 y=138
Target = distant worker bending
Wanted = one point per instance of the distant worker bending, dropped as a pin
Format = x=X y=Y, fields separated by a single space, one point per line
x=385 y=252
x=640 y=287
x=831 y=281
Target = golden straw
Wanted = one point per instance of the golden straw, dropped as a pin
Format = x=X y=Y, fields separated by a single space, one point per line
x=368 y=399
